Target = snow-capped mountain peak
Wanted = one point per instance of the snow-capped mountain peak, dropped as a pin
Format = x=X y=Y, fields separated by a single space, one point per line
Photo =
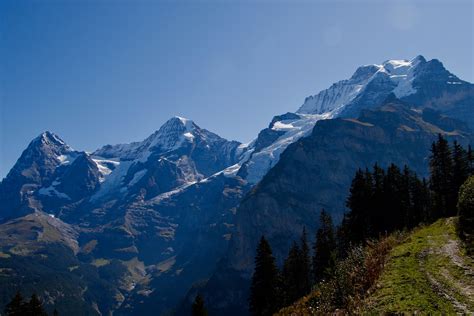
x=395 y=74
x=50 y=139
x=172 y=134
x=179 y=152
x=46 y=149
x=168 y=137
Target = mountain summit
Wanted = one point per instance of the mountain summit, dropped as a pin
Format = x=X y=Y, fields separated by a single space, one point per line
x=370 y=83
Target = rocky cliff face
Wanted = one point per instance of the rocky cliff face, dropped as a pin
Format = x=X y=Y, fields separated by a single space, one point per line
x=36 y=177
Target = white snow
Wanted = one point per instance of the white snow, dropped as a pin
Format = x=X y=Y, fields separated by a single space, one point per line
x=260 y=162
x=232 y=170
x=342 y=93
x=169 y=137
x=334 y=98
x=281 y=126
x=136 y=177
x=327 y=104
x=103 y=166
x=113 y=181
x=157 y=199
x=189 y=135
x=51 y=191
x=67 y=159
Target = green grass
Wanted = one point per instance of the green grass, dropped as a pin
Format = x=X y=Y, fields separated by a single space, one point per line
x=407 y=283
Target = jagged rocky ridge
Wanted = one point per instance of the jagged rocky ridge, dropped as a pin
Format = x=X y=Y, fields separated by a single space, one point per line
x=159 y=214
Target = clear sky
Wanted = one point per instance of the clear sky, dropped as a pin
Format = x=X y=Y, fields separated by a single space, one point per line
x=106 y=72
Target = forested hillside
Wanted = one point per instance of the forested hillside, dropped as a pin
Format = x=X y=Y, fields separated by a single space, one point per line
x=398 y=249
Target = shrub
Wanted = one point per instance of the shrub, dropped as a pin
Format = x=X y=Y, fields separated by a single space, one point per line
x=466 y=214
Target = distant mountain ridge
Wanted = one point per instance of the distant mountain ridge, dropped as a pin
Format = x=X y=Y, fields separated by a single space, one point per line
x=160 y=214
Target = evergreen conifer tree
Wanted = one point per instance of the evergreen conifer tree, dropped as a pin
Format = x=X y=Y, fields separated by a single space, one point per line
x=441 y=170
x=324 y=249
x=264 y=290
x=291 y=275
x=198 y=308
x=357 y=218
x=466 y=214
x=35 y=307
x=16 y=306
x=376 y=204
x=470 y=159
x=305 y=265
x=460 y=166
x=392 y=192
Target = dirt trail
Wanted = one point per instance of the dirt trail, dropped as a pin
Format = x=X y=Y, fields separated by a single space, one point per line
x=458 y=290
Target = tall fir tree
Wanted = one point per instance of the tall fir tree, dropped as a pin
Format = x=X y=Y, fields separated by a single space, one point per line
x=16 y=307
x=441 y=175
x=466 y=214
x=419 y=203
x=291 y=275
x=376 y=203
x=324 y=255
x=305 y=265
x=405 y=200
x=264 y=291
x=470 y=159
x=360 y=193
x=392 y=192
x=460 y=166
x=35 y=307
x=198 y=308
x=296 y=274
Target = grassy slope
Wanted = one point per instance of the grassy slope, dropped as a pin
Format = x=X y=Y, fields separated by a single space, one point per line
x=427 y=273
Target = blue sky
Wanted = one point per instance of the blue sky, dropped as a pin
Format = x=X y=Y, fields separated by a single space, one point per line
x=106 y=72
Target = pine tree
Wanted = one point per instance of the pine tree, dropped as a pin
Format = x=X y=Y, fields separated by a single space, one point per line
x=470 y=159
x=466 y=214
x=198 y=308
x=426 y=197
x=305 y=265
x=392 y=192
x=406 y=210
x=35 y=307
x=441 y=169
x=324 y=249
x=357 y=219
x=264 y=290
x=343 y=239
x=291 y=275
x=16 y=306
x=419 y=205
x=460 y=166
x=376 y=204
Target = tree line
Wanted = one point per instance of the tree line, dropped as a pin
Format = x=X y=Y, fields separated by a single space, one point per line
x=380 y=201
x=20 y=307
x=272 y=289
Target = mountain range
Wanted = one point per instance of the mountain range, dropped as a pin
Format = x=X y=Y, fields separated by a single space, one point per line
x=139 y=228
